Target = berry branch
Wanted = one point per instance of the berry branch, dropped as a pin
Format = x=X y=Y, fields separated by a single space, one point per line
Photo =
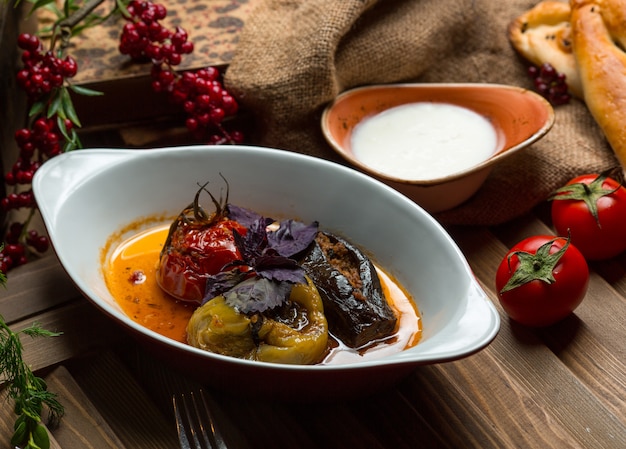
x=53 y=122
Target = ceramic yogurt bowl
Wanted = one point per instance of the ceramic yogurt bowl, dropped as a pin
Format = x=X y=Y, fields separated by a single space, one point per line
x=88 y=196
x=518 y=116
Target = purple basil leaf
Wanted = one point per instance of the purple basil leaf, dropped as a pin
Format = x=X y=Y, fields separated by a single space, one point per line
x=293 y=276
x=244 y=216
x=268 y=256
x=221 y=282
x=252 y=244
x=280 y=269
x=257 y=295
x=256 y=237
x=292 y=237
x=282 y=273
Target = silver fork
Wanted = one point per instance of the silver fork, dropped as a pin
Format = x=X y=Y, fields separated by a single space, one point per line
x=195 y=423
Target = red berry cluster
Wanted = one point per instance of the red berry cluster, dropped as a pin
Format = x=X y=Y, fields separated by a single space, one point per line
x=203 y=98
x=201 y=93
x=36 y=145
x=41 y=77
x=13 y=252
x=550 y=84
x=144 y=37
x=42 y=71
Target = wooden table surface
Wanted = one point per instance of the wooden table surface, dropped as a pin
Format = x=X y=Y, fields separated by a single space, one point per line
x=559 y=387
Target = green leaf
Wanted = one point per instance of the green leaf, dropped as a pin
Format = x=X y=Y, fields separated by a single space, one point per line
x=37 y=108
x=32 y=412
x=76 y=142
x=72 y=141
x=35 y=330
x=121 y=5
x=39 y=4
x=21 y=419
x=69 y=146
x=68 y=108
x=40 y=437
x=62 y=128
x=55 y=104
x=20 y=434
x=85 y=91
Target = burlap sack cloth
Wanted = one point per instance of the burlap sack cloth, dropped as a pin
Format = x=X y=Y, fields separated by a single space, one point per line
x=295 y=56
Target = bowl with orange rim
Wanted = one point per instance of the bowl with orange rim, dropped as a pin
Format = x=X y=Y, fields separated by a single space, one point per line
x=436 y=143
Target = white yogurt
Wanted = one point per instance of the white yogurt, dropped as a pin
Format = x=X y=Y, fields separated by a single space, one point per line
x=419 y=141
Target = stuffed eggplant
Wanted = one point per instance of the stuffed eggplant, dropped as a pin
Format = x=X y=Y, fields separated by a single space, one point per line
x=354 y=303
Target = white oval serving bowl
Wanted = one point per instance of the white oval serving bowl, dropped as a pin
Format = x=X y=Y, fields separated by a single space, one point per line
x=87 y=196
x=520 y=117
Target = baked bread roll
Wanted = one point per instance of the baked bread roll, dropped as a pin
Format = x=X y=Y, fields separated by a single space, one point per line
x=543 y=35
x=598 y=31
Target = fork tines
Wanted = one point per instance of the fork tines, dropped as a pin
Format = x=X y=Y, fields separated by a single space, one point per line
x=195 y=423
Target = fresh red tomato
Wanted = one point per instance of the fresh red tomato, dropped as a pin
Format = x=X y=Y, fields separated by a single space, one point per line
x=592 y=210
x=194 y=251
x=541 y=280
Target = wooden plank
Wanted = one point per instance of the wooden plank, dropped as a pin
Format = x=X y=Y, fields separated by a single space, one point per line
x=123 y=403
x=331 y=424
x=396 y=421
x=82 y=426
x=54 y=444
x=7 y=418
x=591 y=341
x=35 y=287
x=459 y=421
x=161 y=381
x=84 y=330
x=474 y=404
x=613 y=271
x=534 y=375
x=592 y=347
x=245 y=423
x=268 y=424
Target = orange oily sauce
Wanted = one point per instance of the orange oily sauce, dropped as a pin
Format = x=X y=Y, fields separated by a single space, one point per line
x=130 y=275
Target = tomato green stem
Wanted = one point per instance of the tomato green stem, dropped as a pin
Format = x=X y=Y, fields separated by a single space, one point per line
x=535 y=267
x=589 y=193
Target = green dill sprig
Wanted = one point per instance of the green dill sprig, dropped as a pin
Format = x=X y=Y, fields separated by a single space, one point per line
x=29 y=392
